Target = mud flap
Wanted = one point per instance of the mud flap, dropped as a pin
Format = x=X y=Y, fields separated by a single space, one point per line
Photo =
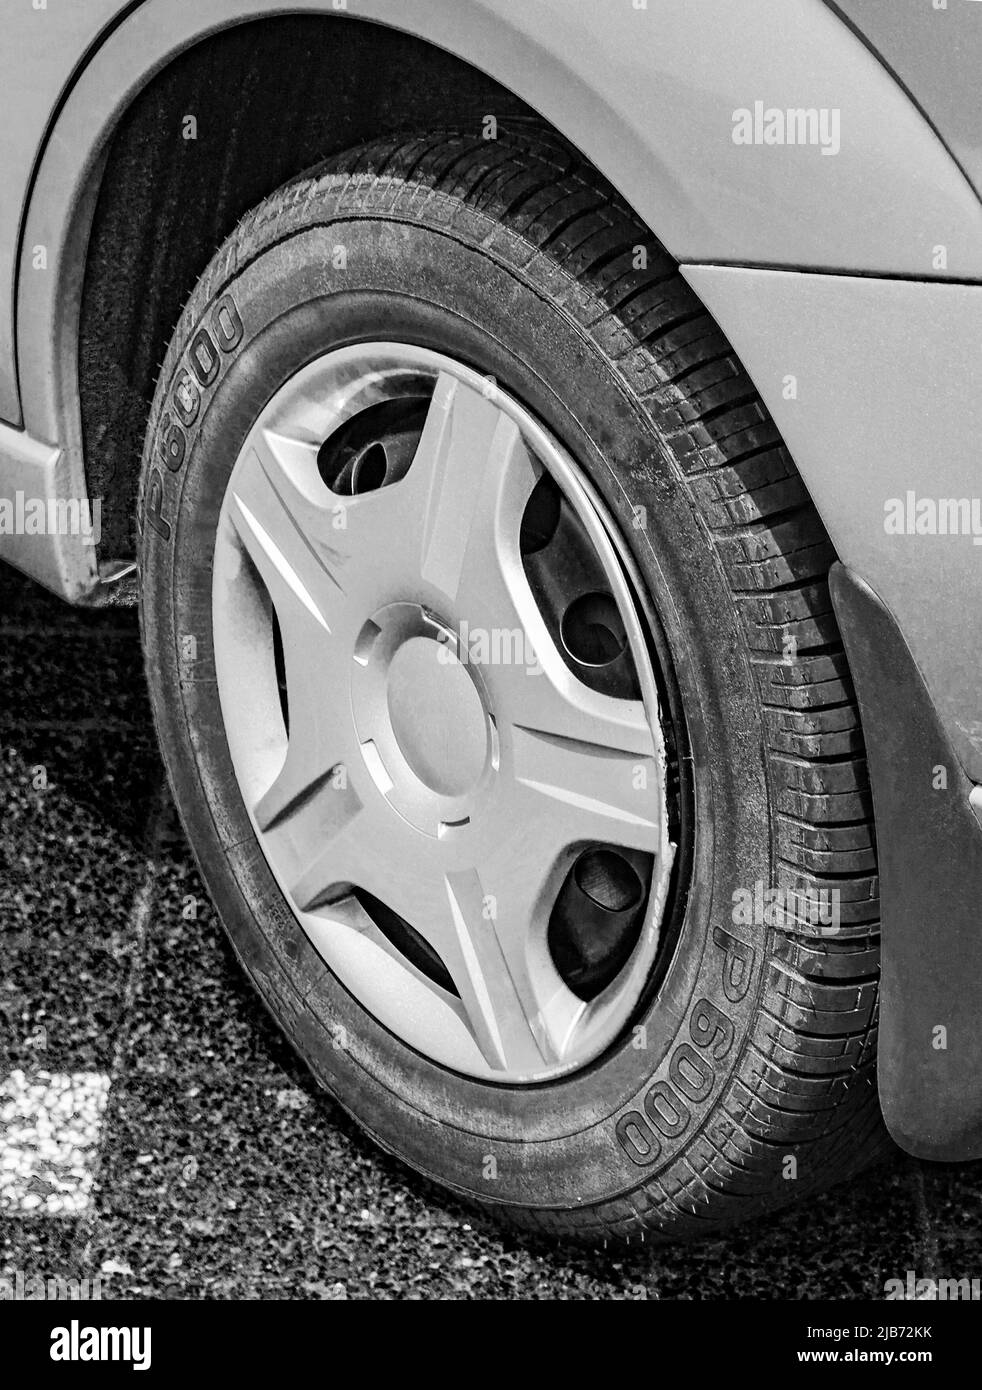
x=930 y=862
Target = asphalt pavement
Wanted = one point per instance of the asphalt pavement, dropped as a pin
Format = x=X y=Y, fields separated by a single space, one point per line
x=156 y=1133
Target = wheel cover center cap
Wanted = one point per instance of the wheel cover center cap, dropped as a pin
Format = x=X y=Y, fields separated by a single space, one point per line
x=437 y=716
x=423 y=719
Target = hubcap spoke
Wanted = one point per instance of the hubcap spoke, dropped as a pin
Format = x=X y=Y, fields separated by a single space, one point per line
x=283 y=532
x=315 y=838
x=470 y=481
x=549 y=699
x=519 y=885
x=589 y=761
x=584 y=792
x=492 y=976
x=313 y=754
x=452 y=910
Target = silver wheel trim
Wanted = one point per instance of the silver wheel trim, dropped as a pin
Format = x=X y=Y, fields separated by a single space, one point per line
x=372 y=593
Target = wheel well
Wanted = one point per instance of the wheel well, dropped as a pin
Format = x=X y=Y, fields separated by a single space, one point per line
x=268 y=99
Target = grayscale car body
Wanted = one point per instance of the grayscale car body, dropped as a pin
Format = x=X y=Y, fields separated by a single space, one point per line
x=542 y=436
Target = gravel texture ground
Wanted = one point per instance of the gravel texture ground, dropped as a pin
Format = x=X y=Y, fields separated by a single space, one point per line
x=155 y=1131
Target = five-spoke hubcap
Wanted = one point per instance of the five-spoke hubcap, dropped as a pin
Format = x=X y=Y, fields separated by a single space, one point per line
x=442 y=711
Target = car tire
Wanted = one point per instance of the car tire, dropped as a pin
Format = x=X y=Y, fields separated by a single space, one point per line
x=745 y=1074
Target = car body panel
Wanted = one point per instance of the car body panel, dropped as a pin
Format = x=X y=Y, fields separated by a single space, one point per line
x=935 y=51
x=42 y=49
x=30 y=469
x=887 y=376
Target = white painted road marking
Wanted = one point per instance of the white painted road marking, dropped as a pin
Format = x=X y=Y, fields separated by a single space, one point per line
x=50 y=1124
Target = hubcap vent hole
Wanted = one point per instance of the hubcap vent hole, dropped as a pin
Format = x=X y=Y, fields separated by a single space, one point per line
x=407 y=940
x=369 y=469
x=373 y=449
x=593 y=631
x=542 y=514
x=597 y=919
x=608 y=880
x=280 y=662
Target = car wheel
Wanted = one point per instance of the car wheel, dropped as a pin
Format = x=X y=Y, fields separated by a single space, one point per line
x=492 y=658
